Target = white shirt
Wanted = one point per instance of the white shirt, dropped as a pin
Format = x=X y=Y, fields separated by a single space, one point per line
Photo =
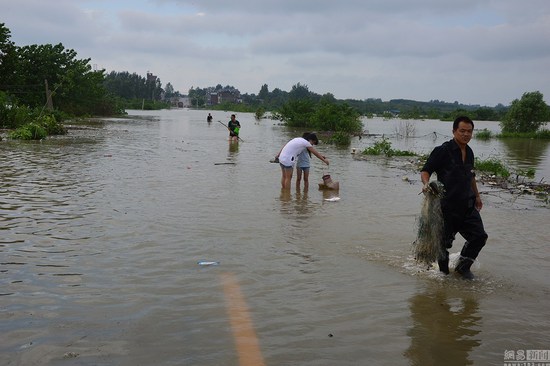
x=292 y=149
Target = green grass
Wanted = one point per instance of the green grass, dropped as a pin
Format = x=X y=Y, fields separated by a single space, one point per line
x=542 y=134
x=493 y=166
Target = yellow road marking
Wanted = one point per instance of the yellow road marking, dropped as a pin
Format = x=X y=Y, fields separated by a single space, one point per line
x=246 y=341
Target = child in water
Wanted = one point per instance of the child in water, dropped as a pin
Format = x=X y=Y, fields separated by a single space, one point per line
x=302 y=165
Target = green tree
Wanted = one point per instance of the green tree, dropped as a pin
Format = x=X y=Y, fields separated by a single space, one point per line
x=264 y=93
x=333 y=116
x=297 y=112
x=76 y=89
x=197 y=96
x=299 y=92
x=168 y=91
x=8 y=59
x=527 y=114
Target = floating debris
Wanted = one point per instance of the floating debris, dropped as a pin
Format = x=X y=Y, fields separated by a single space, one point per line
x=208 y=263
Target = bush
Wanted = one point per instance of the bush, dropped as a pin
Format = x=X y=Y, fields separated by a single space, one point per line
x=484 y=134
x=30 y=131
x=383 y=147
x=51 y=126
x=259 y=114
x=542 y=134
x=340 y=139
x=493 y=166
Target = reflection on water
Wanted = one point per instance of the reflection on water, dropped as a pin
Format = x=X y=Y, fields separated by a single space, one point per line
x=233 y=147
x=297 y=205
x=526 y=152
x=445 y=326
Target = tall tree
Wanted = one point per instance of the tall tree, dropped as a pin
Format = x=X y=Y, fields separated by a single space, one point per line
x=8 y=60
x=264 y=93
x=527 y=114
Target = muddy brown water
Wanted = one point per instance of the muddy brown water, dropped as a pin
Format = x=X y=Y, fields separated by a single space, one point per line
x=101 y=232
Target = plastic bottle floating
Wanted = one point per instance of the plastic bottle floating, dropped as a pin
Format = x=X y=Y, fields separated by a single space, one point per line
x=332 y=199
x=208 y=263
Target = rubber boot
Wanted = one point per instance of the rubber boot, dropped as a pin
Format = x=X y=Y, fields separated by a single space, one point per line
x=444 y=264
x=463 y=268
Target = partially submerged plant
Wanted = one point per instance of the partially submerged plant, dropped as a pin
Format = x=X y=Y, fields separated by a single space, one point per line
x=383 y=147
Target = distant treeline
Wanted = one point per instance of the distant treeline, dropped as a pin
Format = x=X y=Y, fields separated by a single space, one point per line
x=410 y=109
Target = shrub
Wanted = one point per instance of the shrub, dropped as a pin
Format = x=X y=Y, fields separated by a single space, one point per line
x=484 y=134
x=259 y=114
x=493 y=166
x=30 y=131
x=383 y=147
x=340 y=139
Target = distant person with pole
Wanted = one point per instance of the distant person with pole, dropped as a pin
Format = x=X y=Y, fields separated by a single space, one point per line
x=288 y=155
x=234 y=127
x=453 y=162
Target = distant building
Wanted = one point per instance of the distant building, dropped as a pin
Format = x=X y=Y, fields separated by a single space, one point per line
x=223 y=96
x=151 y=78
x=213 y=99
x=229 y=96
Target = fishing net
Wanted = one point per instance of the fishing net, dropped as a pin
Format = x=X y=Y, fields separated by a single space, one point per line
x=427 y=247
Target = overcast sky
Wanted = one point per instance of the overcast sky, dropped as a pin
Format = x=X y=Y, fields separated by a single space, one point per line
x=471 y=51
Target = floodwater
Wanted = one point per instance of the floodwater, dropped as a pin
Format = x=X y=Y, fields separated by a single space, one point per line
x=101 y=232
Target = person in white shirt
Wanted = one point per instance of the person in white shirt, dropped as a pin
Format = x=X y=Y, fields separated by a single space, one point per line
x=288 y=155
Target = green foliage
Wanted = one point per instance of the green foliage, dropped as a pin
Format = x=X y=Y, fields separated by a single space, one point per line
x=37 y=126
x=264 y=93
x=542 y=134
x=259 y=114
x=50 y=124
x=527 y=114
x=76 y=89
x=383 y=147
x=497 y=168
x=298 y=113
x=492 y=166
x=145 y=104
x=30 y=131
x=331 y=116
x=486 y=114
x=340 y=138
x=11 y=114
x=133 y=86
x=322 y=114
x=484 y=134
x=529 y=173
x=197 y=97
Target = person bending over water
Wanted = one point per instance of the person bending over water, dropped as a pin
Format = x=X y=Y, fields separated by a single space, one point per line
x=288 y=155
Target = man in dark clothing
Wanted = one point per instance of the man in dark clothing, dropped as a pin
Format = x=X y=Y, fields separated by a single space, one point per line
x=233 y=126
x=453 y=162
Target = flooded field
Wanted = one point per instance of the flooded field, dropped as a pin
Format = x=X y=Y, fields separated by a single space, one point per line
x=102 y=232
